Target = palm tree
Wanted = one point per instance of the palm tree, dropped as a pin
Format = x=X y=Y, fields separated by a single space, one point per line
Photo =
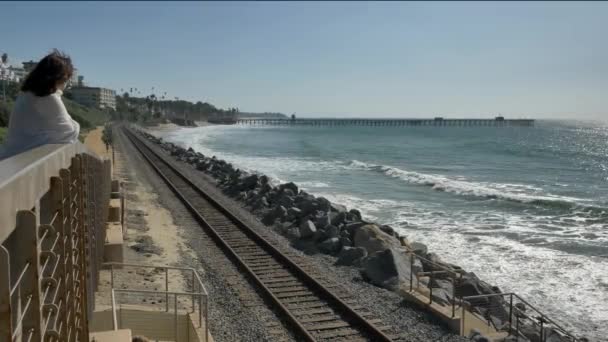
x=4 y=74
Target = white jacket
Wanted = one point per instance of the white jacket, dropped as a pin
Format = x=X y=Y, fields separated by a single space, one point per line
x=38 y=121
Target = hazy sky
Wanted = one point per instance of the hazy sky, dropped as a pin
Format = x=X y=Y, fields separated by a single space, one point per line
x=350 y=59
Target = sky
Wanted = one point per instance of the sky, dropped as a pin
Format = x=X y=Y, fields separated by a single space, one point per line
x=343 y=59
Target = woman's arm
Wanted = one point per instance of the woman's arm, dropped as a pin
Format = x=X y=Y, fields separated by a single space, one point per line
x=59 y=126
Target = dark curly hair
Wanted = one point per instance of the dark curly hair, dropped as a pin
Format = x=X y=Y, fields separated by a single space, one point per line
x=52 y=70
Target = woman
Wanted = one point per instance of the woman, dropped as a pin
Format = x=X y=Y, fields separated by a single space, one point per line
x=39 y=116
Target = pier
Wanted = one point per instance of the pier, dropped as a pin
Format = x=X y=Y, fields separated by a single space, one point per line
x=436 y=122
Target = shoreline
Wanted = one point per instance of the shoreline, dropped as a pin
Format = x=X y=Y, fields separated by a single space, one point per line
x=282 y=215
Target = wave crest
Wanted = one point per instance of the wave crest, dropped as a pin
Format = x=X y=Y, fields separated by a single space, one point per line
x=519 y=193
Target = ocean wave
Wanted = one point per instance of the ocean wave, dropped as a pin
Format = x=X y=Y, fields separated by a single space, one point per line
x=519 y=193
x=313 y=184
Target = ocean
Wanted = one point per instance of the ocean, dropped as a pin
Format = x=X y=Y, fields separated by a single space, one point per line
x=524 y=208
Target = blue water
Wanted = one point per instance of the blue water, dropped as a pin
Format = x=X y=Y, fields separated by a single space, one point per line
x=524 y=208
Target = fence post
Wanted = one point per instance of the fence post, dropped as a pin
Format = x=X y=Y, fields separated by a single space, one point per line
x=5 y=296
x=175 y=316
x=462 y=332
x=193 y=291
x=453 y=295
x=84 y=252
x=68 y=237
x=517 y=325
x=510 y=313
x=411 y=271
x=55 y=207
x=79 y=231
x=29 y=287
x=541 y=320
x=431 y=287
x=167 y=289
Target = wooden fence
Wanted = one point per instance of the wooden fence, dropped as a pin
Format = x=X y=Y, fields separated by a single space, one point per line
x=53 y=209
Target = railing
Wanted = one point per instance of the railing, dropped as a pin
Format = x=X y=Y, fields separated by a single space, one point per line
x=508 y=312
x=54 y=203
x=501 y=312
x=196 y=295
x=428 y=275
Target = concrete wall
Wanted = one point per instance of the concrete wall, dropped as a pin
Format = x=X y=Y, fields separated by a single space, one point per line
x=155 y=325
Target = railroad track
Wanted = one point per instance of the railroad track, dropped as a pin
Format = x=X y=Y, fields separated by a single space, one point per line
x=313 y=312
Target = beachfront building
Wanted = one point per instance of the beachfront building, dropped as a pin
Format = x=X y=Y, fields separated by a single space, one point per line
x=29 y=66
x=94 y=97
x=19 y=73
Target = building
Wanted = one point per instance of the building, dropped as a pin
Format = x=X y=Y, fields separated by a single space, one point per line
x=94 y=97
x=19 y=73
x=73 y=82
x=29 y=66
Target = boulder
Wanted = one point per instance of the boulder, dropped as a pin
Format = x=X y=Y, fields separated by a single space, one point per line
x=278 y=213
x=293 y=233
x=289 y=186
x=389 y=268
x=319 y=235
x=405 y=242
x=260 y=203
x=445 y=285
x=468 y=287
x=419 y=248
x=351 y=255
x=332 y=231
x=338 y=219
x=323 y=221
x=441 y=296
x=356 y=213
x=307 y=205
x=389 y=230
x=552 y=335
x=307 y=229
x=373 y=239
x=346 y=242
x=288 y=192
x=352 y=227
x=285 y=200
x=265 y=188
x=337 y=208
x=248 y=183
x=284 y=226
x=241 y=196
x=252 y=195
x=295 y=212
x=330 y=246
x=323 y=203
x=529 y=331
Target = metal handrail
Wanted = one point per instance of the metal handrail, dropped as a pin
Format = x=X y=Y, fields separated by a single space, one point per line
x=543 y=316
x=190 y=269
x=541 y=319
x=201 y=293
x=114 y=320
x=442 y=270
